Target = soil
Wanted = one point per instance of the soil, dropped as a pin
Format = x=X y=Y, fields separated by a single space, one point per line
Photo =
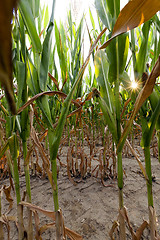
x=89 y=208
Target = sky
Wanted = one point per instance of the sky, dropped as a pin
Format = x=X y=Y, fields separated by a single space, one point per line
x=62 y=6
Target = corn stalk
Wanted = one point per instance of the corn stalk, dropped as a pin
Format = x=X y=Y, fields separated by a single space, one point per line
x=13 y=145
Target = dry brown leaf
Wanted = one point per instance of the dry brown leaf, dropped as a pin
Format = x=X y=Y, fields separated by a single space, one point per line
x=54 y=80
x=37 y=222
x=125 y=105
x=73 y=235
x=83 y=164
x=7 y=191
x=2 y=120
x=64 y=81
x=152 y=222
x=69 y=166
x=5 y=220
x=123 y=212
x=6 y=12
x=141 y=229
x=89 y=96
x=133 y=15
x=137 y=158
x=75 y=111
x=33 y=207
x=2 y=220
x=46 y=163
x=114 y=226
x=38 y=119
x=45 y=227
x=48 y=93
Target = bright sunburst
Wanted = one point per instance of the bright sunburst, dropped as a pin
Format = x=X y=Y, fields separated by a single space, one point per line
x=134 y=85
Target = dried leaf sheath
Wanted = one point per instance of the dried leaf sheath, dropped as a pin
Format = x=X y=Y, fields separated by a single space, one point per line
x=6 y=12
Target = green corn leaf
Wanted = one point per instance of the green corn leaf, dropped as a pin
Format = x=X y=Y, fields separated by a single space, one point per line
x=140 y=66
x=32 y=81
x=76 y=52
x=21 y=76
x=108 y=116
x=101 y=73
x=28 y=18
x=44 y=105
x=123 y=46
x=105 y=16
x=46 y=17
x=61 y=53
x=18 y=123
x=154 y=98
x=92 y=19
x=45 y=59
x=14 y=146
x=14 y=150
x=113 y=6
x=4 y=149
x=32 y=77
x=70 y=23
x=34 y=5
x=9 y=126
x=22 y=38
x=147 y=135
x=40 y=19
x=46 y=53
x=156 y=22
x=25 y=125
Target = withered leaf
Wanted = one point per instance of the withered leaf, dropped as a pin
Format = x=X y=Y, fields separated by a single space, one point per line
x=6 y=13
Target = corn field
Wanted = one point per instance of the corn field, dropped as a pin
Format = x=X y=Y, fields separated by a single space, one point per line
x=80 y=132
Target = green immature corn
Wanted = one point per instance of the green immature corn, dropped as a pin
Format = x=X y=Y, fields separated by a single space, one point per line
x=108 y=116
x=14 y=150
x=154 y=98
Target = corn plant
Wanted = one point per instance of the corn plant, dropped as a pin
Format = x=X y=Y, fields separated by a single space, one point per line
x=37 y=81
x=140 y=68
x=31 y=65
x=107 y=73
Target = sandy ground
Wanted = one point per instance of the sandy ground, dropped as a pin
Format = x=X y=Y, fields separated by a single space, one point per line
x=89 y=208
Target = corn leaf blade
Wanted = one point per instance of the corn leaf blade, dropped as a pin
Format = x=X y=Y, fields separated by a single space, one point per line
x=147 y=135
x=46 y=53
x=133 y=15
x=28 y=18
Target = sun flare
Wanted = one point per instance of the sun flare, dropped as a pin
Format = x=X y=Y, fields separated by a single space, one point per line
x=134 y=85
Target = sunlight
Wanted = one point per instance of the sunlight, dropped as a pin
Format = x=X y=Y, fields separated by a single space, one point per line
x=134 y=85
x=62 y=7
